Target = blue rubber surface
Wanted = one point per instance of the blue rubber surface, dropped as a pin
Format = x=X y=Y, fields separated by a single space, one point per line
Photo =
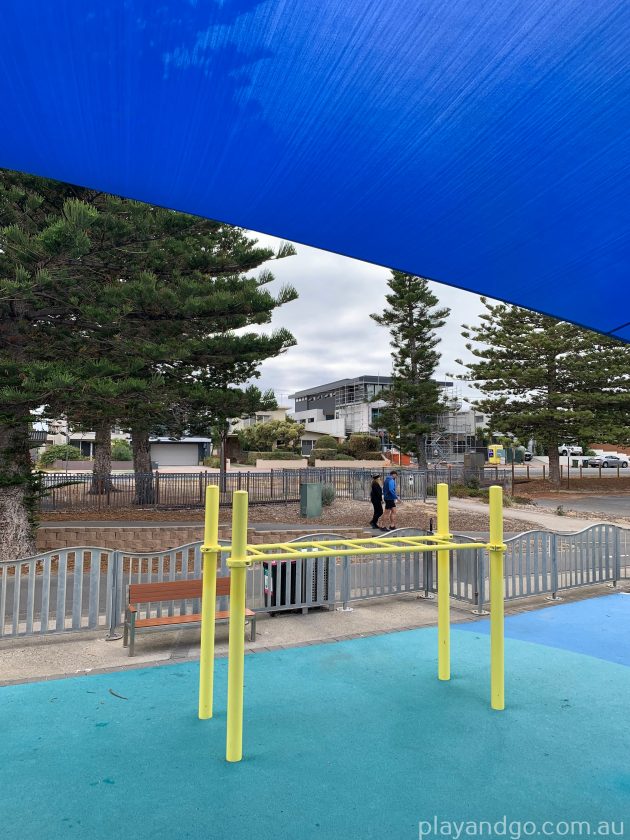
x=480 y=143
x=596 y=627
x=350 y=740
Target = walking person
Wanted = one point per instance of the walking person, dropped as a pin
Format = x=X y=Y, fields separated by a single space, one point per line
x=391 y=497
x=376 y=497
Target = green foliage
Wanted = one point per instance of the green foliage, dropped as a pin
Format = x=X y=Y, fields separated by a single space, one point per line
x=328 y=494
x=326 y=442
x=264 y=436
x=325 y=454
x=360 y=443
x=116 y=312
x=212 y=461
x=121 y=451
x=412 y=318
x=548 y=380
x=59 y=452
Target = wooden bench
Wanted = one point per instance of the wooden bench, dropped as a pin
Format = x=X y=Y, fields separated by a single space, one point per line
x=175 y=590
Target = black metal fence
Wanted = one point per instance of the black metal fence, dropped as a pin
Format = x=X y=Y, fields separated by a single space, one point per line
x=81 y=491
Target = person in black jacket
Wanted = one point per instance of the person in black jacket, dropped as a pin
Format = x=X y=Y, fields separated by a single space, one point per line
x=376 y=497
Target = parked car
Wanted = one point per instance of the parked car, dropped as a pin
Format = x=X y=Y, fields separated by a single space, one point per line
x=608 y=461
x=527 y=455
x=569 y=449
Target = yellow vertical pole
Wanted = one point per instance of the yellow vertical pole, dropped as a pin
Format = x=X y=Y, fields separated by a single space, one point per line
x=208 y=602
x=444 y=629
x=236 y=648
x=496 y=549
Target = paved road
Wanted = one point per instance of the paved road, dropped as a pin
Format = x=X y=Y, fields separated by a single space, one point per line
x=618 y=505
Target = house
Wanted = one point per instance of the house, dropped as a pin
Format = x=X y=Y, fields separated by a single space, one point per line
x=349 y=406
x=344 y=407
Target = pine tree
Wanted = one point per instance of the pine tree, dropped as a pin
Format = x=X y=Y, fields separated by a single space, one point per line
x=413 y=400
x=547 y=379
x=108 y=310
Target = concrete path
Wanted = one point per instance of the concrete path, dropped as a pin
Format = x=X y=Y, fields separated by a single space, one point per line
x=532 y=513
x=57 y=655
x=615 y=505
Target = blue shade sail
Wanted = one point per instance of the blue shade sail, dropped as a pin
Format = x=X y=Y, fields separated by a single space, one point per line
x=481 y=143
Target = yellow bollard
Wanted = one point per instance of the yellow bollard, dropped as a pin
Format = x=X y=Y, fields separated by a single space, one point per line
x=444 y=629
x=496 y=549
x=236 y=650
x=208 y=602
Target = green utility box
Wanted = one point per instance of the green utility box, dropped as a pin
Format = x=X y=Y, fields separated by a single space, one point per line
x=311 y=500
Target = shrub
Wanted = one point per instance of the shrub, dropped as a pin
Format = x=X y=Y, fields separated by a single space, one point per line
x=324 y=454
x=328 y=494
x=368 y=455
x=60 y=452
x=363 y=443
x=473 y=483
x=212 y=461
x=121 y=451
x=327 y=442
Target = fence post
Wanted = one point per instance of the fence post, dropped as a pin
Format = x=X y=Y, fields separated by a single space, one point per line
x=617 y=556
x=345 y=585
x=157 y=488
x=271 y=484
x=114 y=611
x=481 y=582
x=544 y=472
x=554 y=568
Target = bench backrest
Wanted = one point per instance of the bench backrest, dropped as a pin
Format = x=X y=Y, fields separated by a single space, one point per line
x=173 y=590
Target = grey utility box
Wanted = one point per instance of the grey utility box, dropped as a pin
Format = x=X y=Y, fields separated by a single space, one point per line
x=311 y=500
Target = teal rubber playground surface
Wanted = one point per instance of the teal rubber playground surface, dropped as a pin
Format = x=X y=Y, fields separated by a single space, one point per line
x=355 y=739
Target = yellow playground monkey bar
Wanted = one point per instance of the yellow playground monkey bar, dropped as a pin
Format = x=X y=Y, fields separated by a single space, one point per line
x=242 y=555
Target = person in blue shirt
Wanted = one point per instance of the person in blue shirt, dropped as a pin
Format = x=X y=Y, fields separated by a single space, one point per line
x=391 y=497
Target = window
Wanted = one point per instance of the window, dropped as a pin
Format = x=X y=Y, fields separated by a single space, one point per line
x=311 y=420
x=329 y=416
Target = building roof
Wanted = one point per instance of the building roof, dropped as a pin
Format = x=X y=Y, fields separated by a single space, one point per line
x=180 y=440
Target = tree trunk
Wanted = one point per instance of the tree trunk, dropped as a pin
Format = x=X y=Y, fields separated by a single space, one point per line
x=143 y=473
x=421 y=453
x=223 y=463
x=17 y=502
x=102 y=469
x=554 y=464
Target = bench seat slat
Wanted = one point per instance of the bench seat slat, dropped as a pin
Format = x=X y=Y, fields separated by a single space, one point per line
x=173 y=590
x=221 y=615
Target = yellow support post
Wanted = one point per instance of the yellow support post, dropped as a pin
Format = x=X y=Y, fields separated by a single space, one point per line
x=444 y=629
x=208 y=602
x=236 y=650
x=496 y=548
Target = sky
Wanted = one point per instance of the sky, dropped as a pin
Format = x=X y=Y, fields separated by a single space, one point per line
x=336 y=338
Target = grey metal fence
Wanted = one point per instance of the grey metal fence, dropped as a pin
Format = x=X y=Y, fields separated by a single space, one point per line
x=79 y=491
x=85 y=588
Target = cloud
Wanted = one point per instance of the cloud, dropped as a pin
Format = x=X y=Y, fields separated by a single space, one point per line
x=331 y=322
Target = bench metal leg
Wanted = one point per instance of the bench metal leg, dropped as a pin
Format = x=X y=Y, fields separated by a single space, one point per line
x=126 y=630
x=132 y=635
x=252 y=631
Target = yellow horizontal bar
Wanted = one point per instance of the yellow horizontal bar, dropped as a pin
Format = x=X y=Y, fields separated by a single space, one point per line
x=287 y=553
